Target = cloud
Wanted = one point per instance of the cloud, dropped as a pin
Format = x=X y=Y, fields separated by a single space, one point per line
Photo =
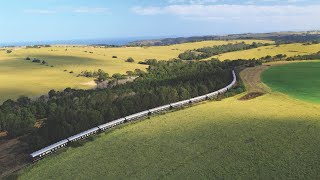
x=80 y=10
x=91 y=10
x=40 y=11
x=240 y=12
x=262 y=17
x=194 y=1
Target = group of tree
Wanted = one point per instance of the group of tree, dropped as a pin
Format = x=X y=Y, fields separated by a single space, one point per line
x=100 y=75
x=36 y=60
x=207 y=52
x=315 y=56
x=38 y=46
x=284 y=57
x=72 y=111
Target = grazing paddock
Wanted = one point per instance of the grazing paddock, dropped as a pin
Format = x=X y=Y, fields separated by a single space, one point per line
x=288 y=49
x=21 y=77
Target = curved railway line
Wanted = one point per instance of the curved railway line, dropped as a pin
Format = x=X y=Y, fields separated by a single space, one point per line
x=40 y=154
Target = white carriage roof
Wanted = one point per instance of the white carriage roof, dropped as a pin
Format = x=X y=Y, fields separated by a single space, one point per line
x=41 y=151
x=83 y=133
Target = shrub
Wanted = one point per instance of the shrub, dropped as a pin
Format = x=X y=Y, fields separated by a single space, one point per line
x=9 y=51
x=28 y=59
x=130 y=59
x=36 y=60
x=114 y=57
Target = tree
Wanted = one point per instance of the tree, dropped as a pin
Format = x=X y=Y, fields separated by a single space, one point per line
x=117 y=76
x=23 y=101
x=102 y=76
x=183 y=93
x=280 y=56
x=202 y=89
x=130 y=73
x=52 y=93
x=36 y=60
x=130 y=59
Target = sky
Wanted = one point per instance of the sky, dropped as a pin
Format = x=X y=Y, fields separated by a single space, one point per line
x=41 y=20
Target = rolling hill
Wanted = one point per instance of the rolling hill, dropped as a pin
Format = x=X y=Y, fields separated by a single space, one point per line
x=272 y=136
x=22 y=77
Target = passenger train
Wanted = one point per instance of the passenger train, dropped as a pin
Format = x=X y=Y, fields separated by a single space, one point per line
x=83 y=135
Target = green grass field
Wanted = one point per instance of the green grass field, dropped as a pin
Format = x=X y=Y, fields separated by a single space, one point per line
x=299 y=80
x=270 y=137
x=288 y=49
x=19 y=77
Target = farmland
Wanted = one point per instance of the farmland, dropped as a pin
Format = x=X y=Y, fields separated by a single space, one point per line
x=299 y=80
x=288 y=49
x=272 y=136
x=20 y=77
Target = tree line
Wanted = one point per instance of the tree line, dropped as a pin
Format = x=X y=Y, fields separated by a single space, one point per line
x=284 y=57
x=206 y=52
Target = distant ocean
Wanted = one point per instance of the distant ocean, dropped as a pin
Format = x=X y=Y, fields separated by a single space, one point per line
x=107 y=41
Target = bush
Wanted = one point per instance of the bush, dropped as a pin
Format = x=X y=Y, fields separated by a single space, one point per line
x=9 y=51
x=114 y=57
x=130 y=59
x=36 y=60
x=28 y=59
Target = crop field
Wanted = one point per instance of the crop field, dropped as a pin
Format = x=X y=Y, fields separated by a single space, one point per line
x=20 y=77
x=300 y=80
x=270 y=137
x=288 y=49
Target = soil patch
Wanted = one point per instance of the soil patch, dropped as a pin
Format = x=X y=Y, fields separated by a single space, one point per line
x=252 y=95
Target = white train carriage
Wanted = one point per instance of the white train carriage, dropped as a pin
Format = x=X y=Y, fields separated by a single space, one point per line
x=83 y=135
x=137 y=116
x=180 y=104
x=199 y=99
x=159 y=109
x=212 y=95
x=111 y=124
x=48 y=150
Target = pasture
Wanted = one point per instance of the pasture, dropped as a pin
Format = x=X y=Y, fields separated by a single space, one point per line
x=288 y=49
x=299 y=80
x=20 y=77
x=270 y=137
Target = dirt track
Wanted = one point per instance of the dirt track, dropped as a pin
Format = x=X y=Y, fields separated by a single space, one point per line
x=252 y=81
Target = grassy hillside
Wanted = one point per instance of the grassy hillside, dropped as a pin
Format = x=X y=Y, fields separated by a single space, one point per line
x=300 y=80
x=19 y=77
x=269 y=137
x=288 y=49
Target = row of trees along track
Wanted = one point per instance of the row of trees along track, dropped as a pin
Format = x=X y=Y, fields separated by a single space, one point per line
x=72 y=111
